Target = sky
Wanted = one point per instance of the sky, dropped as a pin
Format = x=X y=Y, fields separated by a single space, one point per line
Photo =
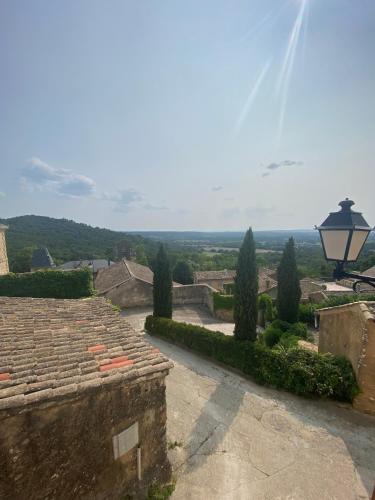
x=187 y=115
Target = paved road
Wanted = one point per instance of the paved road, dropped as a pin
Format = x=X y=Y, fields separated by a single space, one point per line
x=240 y=441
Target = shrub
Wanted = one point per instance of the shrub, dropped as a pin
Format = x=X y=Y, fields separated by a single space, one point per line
x=297 y=370
x=307 y=313
x=48 y=284
x=223 y=301
x=272 y=336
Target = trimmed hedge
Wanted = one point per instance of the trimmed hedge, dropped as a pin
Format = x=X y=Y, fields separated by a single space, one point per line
x=223 y=301
x=297 y=370
x=48 y=284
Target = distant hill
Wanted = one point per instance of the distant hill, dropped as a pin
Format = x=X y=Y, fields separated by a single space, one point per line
x=65 y=239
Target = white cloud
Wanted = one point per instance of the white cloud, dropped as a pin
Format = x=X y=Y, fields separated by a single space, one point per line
x=124 y=199
x=40 y=176
x=217 y=188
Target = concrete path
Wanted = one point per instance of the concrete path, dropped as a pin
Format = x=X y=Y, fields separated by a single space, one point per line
x=188 y=314
x=232 y=439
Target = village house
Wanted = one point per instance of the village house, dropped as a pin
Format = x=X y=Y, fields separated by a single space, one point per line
x=128 y=284
x=222 y=281
x=4 y=267
x=82 y=402
x=41 y=259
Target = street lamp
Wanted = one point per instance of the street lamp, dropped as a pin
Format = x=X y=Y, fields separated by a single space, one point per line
x=343 y=235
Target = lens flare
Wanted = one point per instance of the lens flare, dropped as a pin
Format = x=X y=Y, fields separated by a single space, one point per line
x=283 y=82
x=249 y=101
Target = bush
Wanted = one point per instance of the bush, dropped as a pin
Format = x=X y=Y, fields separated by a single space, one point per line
x=297 y=370
x=272 y=336
x=223 y=301
x=48 y=284
x=307 y=313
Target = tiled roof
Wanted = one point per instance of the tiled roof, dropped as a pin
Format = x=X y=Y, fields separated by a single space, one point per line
x=215 y=275
x=120 y=272
x=143 y=273
x=265 y=282
x=95 y=264
x=41 y=258
x=50 y=348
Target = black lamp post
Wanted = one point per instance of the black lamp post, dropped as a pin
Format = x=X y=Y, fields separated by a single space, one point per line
x=343 y=235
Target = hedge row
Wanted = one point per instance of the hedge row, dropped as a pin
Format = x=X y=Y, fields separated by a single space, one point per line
x=297 y=370
x=223 y=301
x=48 y=284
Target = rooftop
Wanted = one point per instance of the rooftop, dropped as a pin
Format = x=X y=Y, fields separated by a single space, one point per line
x=51 y=347
x=41 y=258
x=95 y=264
x=215 y=275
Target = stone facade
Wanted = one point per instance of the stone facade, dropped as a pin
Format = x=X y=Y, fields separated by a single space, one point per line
x=4 y=267
x=127 y=284
x=349 y=331
x=74 y=377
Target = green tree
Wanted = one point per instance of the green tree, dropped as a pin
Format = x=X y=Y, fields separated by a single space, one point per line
x=162 y=289
x=246 y=291
x=266 y=309
x=140 y=255
x=21 y=261
x=288 y=287
x=183 y=273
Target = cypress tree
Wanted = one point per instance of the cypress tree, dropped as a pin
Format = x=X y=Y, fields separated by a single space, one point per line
x=246 y=291
x=162 y=289
x=288 y=287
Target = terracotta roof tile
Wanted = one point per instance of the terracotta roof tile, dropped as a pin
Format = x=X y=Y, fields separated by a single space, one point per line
x=50 y=348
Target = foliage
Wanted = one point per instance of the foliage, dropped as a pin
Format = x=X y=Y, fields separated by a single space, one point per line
x=49 y=284
x=223 y=301
x=65 y=239
x=140 y=255
x=161 y=492
x=21 y=261
x=288 y=287
x=306 y=313
x=265 y=305
x=245 y=311
x=183 y=273
x=297 y=370
x=162 y=289
x=282 y=333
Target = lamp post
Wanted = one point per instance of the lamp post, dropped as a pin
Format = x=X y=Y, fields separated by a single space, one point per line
x=343 y=235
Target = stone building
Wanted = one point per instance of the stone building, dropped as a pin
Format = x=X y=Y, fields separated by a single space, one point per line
x=222 y=281
x=349 y=330
x=41 y=259
x=128 y=284
x=4 y=268
x=82 y=403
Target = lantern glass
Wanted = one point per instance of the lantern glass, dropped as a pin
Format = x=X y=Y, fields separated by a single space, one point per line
x=334 y=243
x=358 y=240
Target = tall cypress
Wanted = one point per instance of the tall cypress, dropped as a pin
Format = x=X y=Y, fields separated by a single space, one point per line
x=162 y=289
x=288 y=287
x=246 y=291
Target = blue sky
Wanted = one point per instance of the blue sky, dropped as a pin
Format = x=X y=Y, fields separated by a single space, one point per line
x=211 y=115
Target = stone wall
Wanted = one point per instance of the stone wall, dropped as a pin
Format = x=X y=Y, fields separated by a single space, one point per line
x=136 y=293
x=63 y=449
x=349 y=331
x=4 y=268
x=194 y=294
x=132 y=293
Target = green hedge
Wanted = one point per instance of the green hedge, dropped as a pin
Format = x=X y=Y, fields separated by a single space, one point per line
x=48 y=284
x=223 y=301
x=297 y=370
